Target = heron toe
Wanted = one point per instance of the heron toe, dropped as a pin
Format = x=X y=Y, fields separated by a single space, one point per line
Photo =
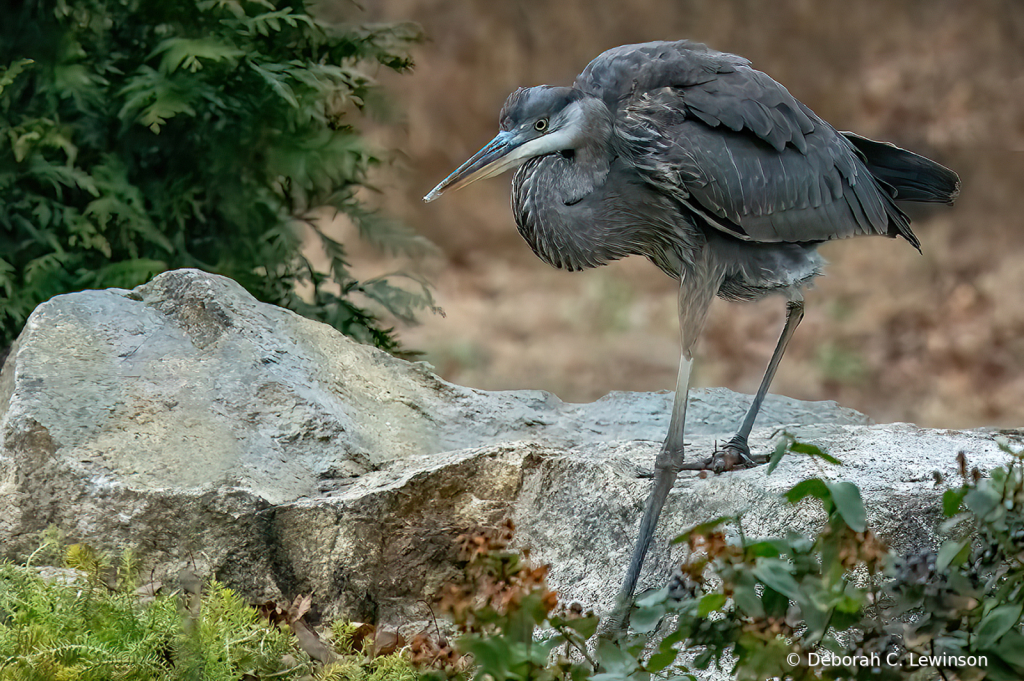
x=735 y=455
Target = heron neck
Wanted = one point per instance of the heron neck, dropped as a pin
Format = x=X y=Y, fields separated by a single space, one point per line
x=556 y=201
x=588 y=162
x=552 y=197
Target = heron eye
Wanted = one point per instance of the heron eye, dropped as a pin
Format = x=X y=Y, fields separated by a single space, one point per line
x=541 y=125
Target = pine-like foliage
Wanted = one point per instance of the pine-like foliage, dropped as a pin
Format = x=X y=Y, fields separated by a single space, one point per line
x=90 y=621
x=140 y=136
x=82 y=631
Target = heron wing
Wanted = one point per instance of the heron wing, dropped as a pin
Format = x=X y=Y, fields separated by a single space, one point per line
x=736 y=147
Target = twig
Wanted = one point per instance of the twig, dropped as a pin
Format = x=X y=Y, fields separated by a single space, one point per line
x=562 y=629
x=430 y=609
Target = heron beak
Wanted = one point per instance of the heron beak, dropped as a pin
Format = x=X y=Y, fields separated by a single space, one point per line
x=504 y=152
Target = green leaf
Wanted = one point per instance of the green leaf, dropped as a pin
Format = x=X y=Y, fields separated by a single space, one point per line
x=952 y=499
x=6 y=282
x=62 y=175
x=188 y=53
x=493 y=655
x=584 y=626
x=776 y=574
x=848 y=502
x=671 y=640
x=265 y=24
x=660 y=661
x=277 y=83
x=398 y=301
x=614 y=660
x=9 y=73
x=1011 y=649
x=745 y=596
x=773 y=603
x=815 y=452
x=154 y=99
x=951 y=553
x=703 y=660
x=123 y=274
x=781 y=447
x=814 y=487
x=996 y=623
x=24 y=143
x=770 y=548
x=983 y=500
x=644 y=619
x=393 y=237
x=710 y=603
x=816 y=617
x=1004 y=446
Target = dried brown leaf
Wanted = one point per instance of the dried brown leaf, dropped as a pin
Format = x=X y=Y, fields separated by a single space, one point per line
x=387 y=642
x=363 y=631
x=311 y=643
x=300 y=606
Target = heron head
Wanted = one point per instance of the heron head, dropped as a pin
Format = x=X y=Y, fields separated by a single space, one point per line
x=534 y=122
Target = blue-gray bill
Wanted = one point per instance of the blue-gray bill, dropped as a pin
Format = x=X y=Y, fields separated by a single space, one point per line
x=495 y=158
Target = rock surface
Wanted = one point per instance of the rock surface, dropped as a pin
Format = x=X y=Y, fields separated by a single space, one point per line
x=210 y=431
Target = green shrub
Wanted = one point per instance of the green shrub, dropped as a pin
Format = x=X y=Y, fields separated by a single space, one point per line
x=140 y=136
x=842 y=606
x=89 y=622
x=497 y=606
x=835 y=605
x=76 y=628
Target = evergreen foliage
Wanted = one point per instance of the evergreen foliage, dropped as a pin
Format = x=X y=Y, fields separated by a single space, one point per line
x=81 y=630
x=139 y=136
x=76 y=624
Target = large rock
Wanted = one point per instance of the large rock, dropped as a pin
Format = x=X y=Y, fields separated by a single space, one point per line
x=207 y=430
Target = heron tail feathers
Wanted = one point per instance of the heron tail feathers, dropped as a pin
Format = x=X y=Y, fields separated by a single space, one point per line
x=913 y=177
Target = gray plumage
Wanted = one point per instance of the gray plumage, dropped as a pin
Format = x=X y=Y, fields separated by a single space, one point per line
x=693 y=146
x=710 y=169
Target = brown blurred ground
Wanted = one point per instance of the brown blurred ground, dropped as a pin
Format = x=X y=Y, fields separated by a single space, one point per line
x=936 y=339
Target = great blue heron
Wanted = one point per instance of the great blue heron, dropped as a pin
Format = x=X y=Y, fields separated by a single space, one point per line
x=711 y=170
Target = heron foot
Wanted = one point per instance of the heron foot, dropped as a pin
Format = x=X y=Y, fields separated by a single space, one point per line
x=735 y=455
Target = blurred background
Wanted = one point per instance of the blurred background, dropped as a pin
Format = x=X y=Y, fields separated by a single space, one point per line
x=936 y=339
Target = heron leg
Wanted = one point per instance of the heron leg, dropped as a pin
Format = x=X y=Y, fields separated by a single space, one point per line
x=694 y=300
x=666 y=468
x=736 y=453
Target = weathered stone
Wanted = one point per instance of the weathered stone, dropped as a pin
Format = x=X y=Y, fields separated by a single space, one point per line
x=207 y=430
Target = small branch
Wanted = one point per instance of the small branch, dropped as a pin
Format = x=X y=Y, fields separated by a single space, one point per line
x=570 y=638
x=431 y=611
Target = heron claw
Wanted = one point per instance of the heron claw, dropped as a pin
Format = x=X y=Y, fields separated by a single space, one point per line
x=735 y=455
